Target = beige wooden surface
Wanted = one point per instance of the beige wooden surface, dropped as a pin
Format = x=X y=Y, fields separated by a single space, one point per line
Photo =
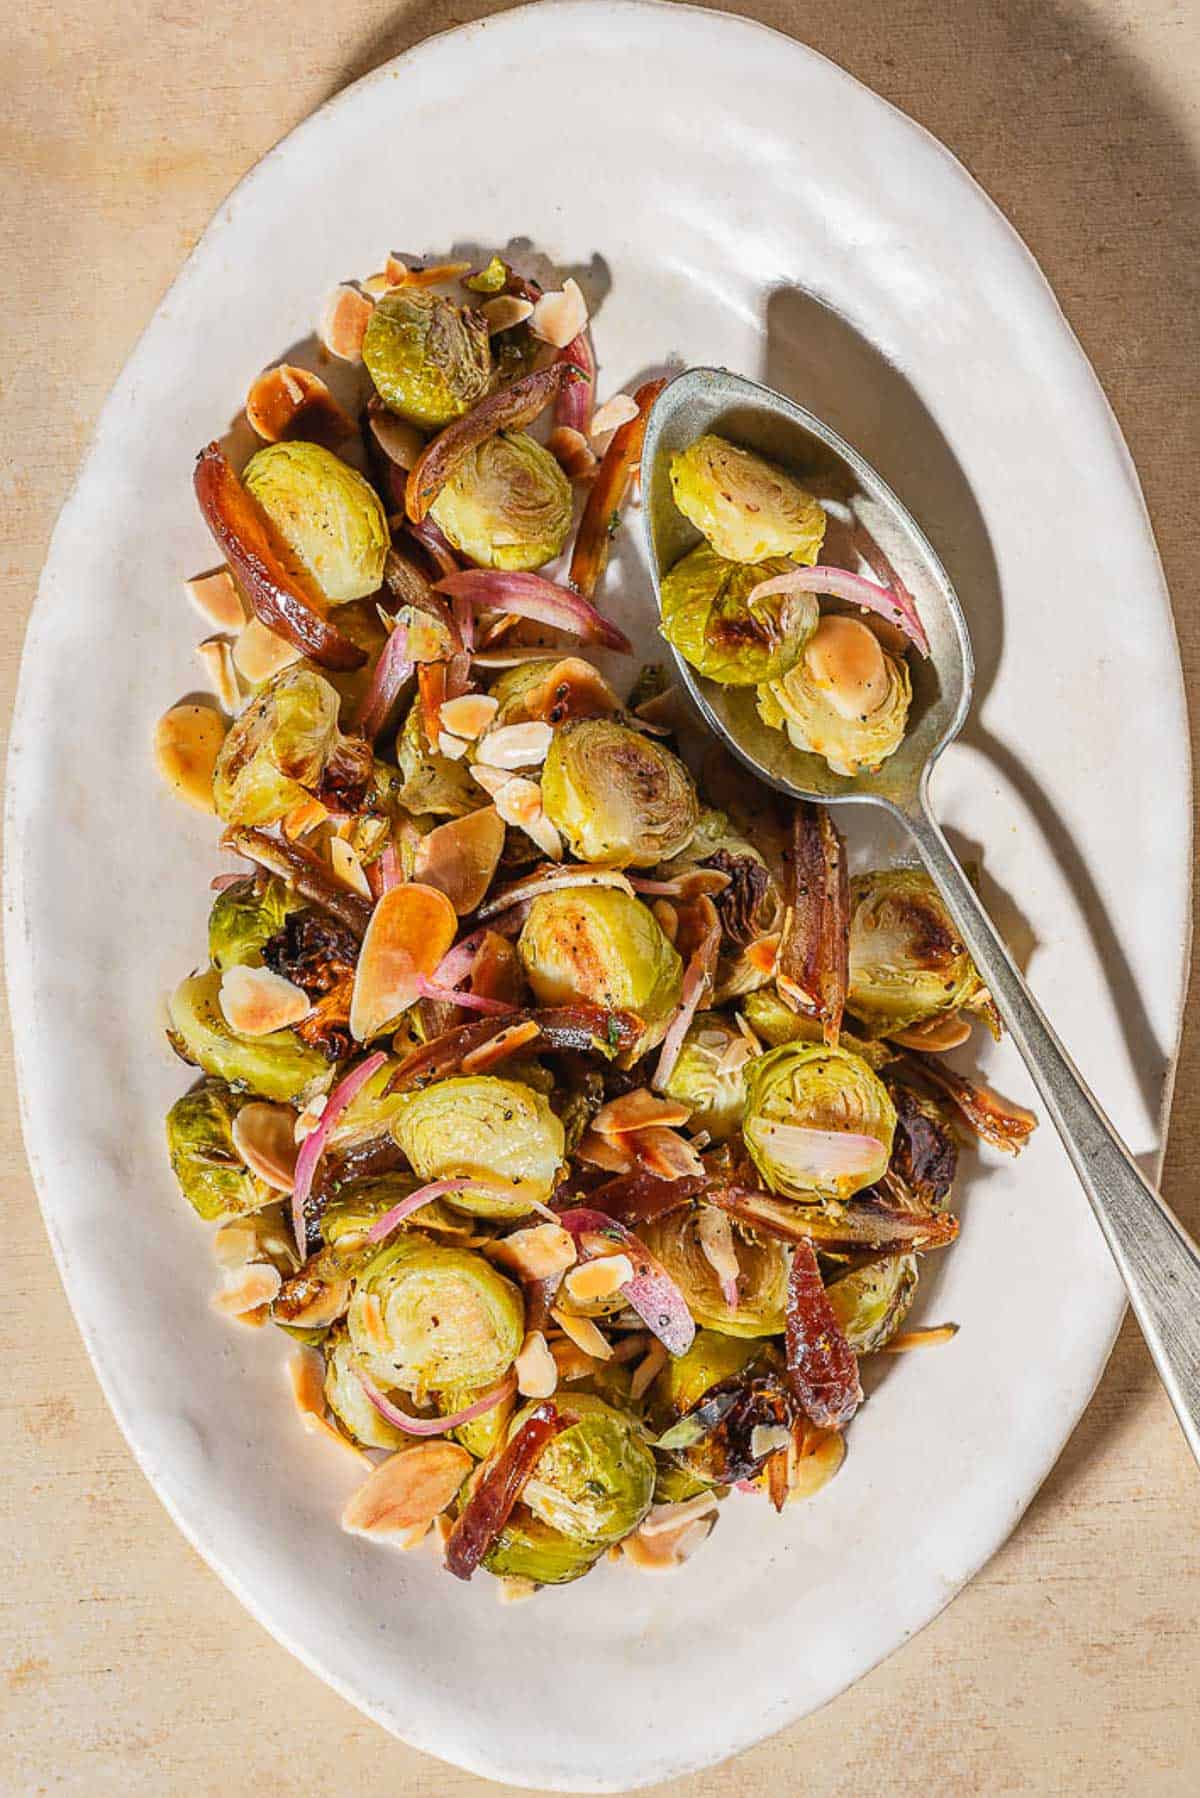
x=125 y=1667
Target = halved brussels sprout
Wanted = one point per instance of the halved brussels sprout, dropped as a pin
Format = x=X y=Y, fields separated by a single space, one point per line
x=816 y=1089
x=430 y=360
x=907 y=961
x=433 y=784
x=507 y=505
x=603 y=947
x=347 y=1400
x=483 y=1126
x=594 y=1481
x=707 y=618
x=277 y=1066
x=329 y=517
x=244 y=917
x=763 y=1265
x=848 y=740
x=277 y=750
x=746 y=507
x=685 y=1379
x=616 y=795
x=553 y=690
x=481 y=1435
x=710 y=1074
x=674 y=1483
x=527 y=1548
x=370 y=1115
x=346 y=1221
x=212 y=1176
x=872 y=1303
x=427 y=1318
x=777 y=1023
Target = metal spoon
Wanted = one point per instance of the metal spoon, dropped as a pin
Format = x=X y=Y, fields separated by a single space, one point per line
x=1158 y=1260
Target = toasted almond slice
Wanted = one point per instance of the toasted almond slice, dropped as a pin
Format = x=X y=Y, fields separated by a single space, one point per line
x=453 y=748
x=254 y=1285
x=515 y=745
x=761 y=955
x=928 y=1338
x=494 y=780
x=310 y=1117
x=573 y=453
x=255 y=1001
x=235 y=1243
x=187 y=742
x=344 y=323
x=536 y=1252
x=572 y=1362
x=537 y=1370
x=460 y=857
x=217 y=657
x=370 y=1313
x=935 y=1035
x=377 y=285
x=290 y=402
x=560 y=316
x=814 y=1465
x=664 y=1153
x=216 y=598
x=611 y=1153
x=664 y=1520
x=265 y=1137
x=598 y=1279
x=254 y=1319
x=519 y=802
x=667 y=1551
x=259 y=653
x=304 y=817
x=647 y=1371
x=505 y=311
x=400 y=442
x=470 y=715
x=347 y=867
x=328 y=1432
x=637 y=1110
x=439 y=1536
x=668 y=918
x=432 y=274
x=499 y=1047
x=583 y=1333
x=411 y=1487
x=514 y=1588
x=766 y=1438
x=411 y=929
x=306 y=1372
x=615 y=412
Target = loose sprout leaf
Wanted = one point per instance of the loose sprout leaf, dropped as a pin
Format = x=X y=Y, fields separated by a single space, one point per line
x=822 y=1367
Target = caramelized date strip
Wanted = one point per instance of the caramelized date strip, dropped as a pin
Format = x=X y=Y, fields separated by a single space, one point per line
x=488 y=1509
x=822 y=1367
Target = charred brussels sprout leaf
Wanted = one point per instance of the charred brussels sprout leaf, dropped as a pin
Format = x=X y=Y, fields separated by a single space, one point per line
x=497 y=1130
x=527 y=1548
x=429 y=359
x=617 y=796
x=424 y=1317
x=746 y=507
x=907 y=961
x=244 y=918
x=330 y=518
x=708 y=616
x=605 y=948
x=212 y=1176
x=798 y=1099
x=871 y=1303
x=507 y=505
x=277 y=750
x=710 y=1074
x=762 y=1275
x=277 y=1066
x=594 y=1481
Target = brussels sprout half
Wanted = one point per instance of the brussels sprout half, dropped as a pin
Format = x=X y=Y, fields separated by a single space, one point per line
x=601 y=946
x=685 y=1379
x=777 y=1023
x=710 y=1074
x=427 y=1318
x=818 y=1089
x=617 y=796
x=508 y=504
x=348 y=1401
x=278 y=1066
x=594 y=1481
x=707 y=618
x=498 y=1130
x=746 y=507
x=763 y=1264
x=212 y=1176
x=907 y=961
x=277 y=749
x=429 y=359
x=244 y=917
x=873 y=1301
x=800 y=705
x=527 y=1548
x=433 y=784
x=330 y=518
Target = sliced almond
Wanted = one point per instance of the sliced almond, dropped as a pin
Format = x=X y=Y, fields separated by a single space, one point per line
x=344 y=323
x=453 y=748
x=572 y=1362
x=256 y=1318
x=460 y=857
x=514 y=1588
x=537 y=1252
x=583 y=1333
x=255 y=1001
x=321 y=1426
x=537 y=1370
x=304 y=817
x=766 y=1438
x=306 y=1373
x=411 y=1487
x=500 y=1047
x=431 y=274
x=259 y=653
x=515 y=745
x=647 y=1371
x=637 y=1110
x=927 y=1338
x=217 y=599
x=598 y=1279
x=505 y=311
x=615 y=412
x=347 y=867
x=761 y=955
x=254 y=1285
x=217 y=657
x=668 y=918
x=664 y=1520
x=812 y=1466
x=411 y=928
x=573 y=453
x=664 y=1153
x=494 y=781
x=310 y=1117
x=608 y=1152
x=667 y=1551
x=935 y=1035
x=370 y=1314
x=265 y=1137
x=439 y=1536
x=291 y=402
x=187 y=742
x=400 y=442
x=235 y=1244
x=560 y=316
x=519 y=803
x=469 y=715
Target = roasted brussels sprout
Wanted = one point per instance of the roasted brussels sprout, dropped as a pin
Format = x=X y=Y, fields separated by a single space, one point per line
x=746 y=507
x=483 y=1126
x=616 y=795
x=553 y=690
x=429 y=359
x=801 y=1089
x=347 y=1219
x=708 y=617
x=212 y=1176
x=872 y=1302
x=743 y=1377
x=777 y=1023
x=710 y=1074
x=762 y=1274
x=603 y=947
x=370 y=1115
x=244 y=917
x=427 y=1318
x=480 y=1435
x=347 y=1400
x=527 y=1548
x=433 y=784
x=277 y=750
x=907 y=961
x=277 y=1066
x=853 y=725
x=685 y=1379
x=507 y=505
x=594 y=1481
x=329 y=517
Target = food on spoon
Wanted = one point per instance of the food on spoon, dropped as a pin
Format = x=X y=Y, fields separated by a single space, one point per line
x=747 y=508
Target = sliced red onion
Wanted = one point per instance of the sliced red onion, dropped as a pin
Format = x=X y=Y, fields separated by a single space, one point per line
x=383 y=1226
x=817 y=1154
x=573 y=406
x=433 y=540
x=464 y=621
x=221 y=881
x=390 y=874
x=435 y=1426
x=343 y=1094
x=393 y=668
x=652 y=1292
x=447 y=995
x=896 y=606
x=531 y=596
x=695 y=983
x=457 y=963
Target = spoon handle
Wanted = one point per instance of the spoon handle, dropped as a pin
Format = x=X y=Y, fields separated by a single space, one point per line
x=1159 y=1262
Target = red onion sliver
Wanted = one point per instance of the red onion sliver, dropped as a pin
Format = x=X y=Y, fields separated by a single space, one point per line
x=343 y=1094
x=457 y=963
x=652 y=1292
x=390 y=874
x=433 y=540
x=391 y=671
x=435 y=1426
x=531 y=596
x=573 y=406
x=549 y=878
x=447 y=995
x=464 y=621
x=897 y=607
x=383 y=1226
x=221 y=881
x=695 y=982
